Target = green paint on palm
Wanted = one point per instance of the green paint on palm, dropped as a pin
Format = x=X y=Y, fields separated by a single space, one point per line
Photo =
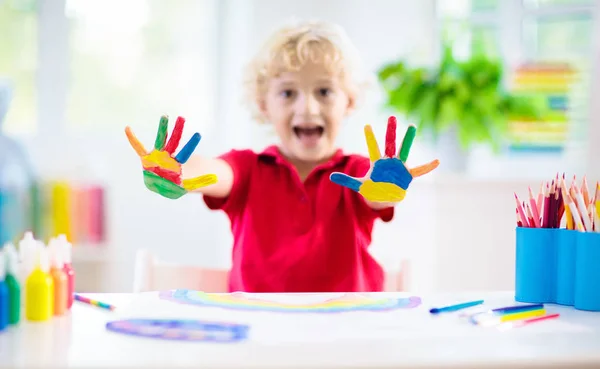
x=161 y=136
x=163 y=186
x=407 y=142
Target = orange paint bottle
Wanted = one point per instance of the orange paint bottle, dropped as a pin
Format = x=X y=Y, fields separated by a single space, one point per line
x=59 y=277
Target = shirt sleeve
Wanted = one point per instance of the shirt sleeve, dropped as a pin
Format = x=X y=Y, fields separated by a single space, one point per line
x=241 y=163
x=358 y=167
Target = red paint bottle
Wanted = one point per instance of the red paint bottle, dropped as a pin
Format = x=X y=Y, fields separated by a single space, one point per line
x=66 y=251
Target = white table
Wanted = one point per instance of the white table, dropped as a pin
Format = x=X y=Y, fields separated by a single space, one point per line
x=80 y=340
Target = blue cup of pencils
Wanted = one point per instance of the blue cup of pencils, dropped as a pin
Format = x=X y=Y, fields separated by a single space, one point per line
x=566 y=247
x=535 y=272
x=587 y=272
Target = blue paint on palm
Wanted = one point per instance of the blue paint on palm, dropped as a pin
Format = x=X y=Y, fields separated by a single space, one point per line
x=391 y=170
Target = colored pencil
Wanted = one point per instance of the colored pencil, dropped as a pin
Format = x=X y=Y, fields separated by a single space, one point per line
x=546 y=207
x=521 y=212
x=524 y=322
x=456 y=307
x=518 y=308
x=574 y=212
x=94 y=302
x=583 y=210
x=540 y=200
x=534 y=210
x=584 y=191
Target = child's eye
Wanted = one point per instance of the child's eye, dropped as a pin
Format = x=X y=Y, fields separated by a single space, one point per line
x=287 y=93
x=324 y=92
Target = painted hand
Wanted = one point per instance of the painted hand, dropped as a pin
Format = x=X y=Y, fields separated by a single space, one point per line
x=162 y=170
x=388 y=178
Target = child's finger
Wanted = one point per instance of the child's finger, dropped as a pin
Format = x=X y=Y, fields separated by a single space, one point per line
x=424 y=169
x=188 y=149
x=193 y=184
x=407 y=142
x=135 y=143
x=175 y=135
x=374 y=153
x=345 y=180
x=161 y=135
x=390 y=138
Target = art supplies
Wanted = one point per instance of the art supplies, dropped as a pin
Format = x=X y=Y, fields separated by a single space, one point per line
x=559 y=204
x=455 y=307
x=350 y=302
x=59 y=278
x=12 y=282
x=181 y=330
x=4 y=295
x=65 y=250
x=96 y=303
x=524 y=322
x=39 y=288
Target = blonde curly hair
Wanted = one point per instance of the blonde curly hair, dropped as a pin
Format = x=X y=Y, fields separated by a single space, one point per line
x=295 y=44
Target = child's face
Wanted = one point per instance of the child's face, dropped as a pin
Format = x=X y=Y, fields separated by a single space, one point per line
x=307 y=108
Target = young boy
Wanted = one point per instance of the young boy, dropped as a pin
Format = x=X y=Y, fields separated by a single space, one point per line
x=294 y=229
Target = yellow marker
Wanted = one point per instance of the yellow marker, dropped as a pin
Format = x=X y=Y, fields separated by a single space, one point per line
x=39 y=289
x=512 y=317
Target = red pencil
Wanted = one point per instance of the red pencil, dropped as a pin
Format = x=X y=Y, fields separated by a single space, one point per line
x=521 y=212
x=546 y=207
x=534 y=210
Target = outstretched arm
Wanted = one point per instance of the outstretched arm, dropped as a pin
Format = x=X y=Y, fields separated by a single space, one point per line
x=198 y=165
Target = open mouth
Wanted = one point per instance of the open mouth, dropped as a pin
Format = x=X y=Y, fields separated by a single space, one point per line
x=309 y=133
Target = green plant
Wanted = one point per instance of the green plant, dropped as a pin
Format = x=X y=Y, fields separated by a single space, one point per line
x=465 y=95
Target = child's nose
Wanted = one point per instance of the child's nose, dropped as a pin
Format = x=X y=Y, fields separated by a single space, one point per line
x=308 y=105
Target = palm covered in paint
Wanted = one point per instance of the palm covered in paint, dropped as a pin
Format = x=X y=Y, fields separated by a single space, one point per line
x=388 y=178
x=162 y=170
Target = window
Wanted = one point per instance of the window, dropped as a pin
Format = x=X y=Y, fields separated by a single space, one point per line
x=18 y=61
x=547 y=49
x=131 y=61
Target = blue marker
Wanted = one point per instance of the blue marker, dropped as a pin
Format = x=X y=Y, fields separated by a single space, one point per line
x=456 y=307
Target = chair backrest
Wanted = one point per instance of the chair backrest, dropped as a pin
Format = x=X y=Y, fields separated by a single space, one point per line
x=152 y=274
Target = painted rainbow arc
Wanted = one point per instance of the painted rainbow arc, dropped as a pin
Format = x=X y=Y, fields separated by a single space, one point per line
x=349 y=302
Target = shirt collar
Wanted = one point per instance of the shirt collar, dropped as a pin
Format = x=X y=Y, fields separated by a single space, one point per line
x=273 y=153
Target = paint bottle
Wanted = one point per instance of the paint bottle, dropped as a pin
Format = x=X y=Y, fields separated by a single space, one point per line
x=14 y=288
x=66 y=253
x=27 y=247
x=59 y=277
x=39 y=289
x=4 y=298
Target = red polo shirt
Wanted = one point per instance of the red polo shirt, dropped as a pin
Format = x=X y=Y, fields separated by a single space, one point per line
x=291 y=236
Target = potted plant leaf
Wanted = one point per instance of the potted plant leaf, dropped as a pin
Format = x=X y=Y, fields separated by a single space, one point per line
x=461 y=102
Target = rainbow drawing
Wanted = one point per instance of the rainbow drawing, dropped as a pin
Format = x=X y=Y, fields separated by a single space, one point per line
x=348 y=302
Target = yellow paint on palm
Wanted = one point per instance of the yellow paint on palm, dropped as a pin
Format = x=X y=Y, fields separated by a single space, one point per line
x=381 y=191
x=193 y=184
x=161 y=159
x=374 y=153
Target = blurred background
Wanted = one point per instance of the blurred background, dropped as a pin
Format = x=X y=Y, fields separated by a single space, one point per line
x=505 y=94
